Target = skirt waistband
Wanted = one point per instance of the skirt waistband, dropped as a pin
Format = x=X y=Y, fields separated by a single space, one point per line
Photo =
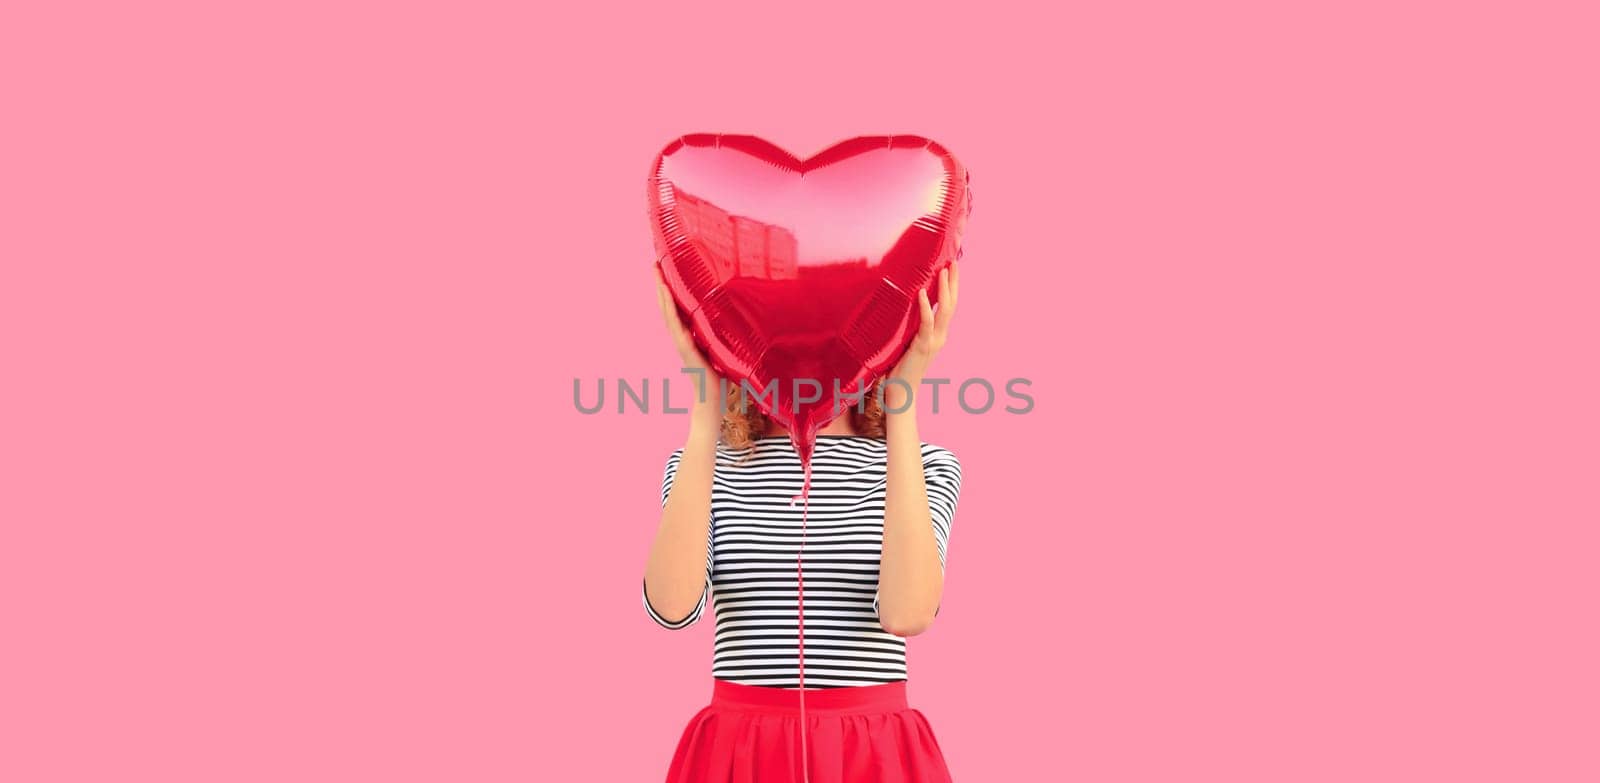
x=883 y=697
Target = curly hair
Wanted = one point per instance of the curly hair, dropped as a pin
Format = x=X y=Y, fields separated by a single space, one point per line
x=743 y=422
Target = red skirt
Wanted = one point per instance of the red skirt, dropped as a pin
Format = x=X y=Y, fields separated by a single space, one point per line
x=861 y=734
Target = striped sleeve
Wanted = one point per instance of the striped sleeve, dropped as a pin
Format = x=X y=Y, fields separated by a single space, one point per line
x=694 y=615
x=941 y=474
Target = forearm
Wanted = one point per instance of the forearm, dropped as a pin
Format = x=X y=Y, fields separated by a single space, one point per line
x=675 y=573
x=910 y=574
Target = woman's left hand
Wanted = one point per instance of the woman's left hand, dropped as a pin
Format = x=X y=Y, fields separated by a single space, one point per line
x=913 y=366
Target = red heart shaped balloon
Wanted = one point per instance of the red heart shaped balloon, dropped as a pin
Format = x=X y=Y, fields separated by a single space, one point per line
x=800 y=277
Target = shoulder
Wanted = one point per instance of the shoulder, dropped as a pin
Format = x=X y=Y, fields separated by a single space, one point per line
x=935 y=456
x=672 y=461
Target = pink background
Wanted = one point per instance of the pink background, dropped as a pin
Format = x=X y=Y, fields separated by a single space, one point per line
x=292 y=299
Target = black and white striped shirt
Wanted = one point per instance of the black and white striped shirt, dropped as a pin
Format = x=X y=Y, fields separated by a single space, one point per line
x=754 y=539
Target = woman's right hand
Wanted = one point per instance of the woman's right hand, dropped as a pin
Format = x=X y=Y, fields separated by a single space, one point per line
x=688 y=353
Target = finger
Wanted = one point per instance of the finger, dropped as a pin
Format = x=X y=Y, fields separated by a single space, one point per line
x=662 y=302
x=669 y=314
x=944 y=299
x=955 y=283
x=661 y=279
x=675 y=322
x=949 y=310
x=926 y=311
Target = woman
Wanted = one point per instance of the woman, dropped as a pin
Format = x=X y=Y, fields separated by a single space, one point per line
x=881 y=504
